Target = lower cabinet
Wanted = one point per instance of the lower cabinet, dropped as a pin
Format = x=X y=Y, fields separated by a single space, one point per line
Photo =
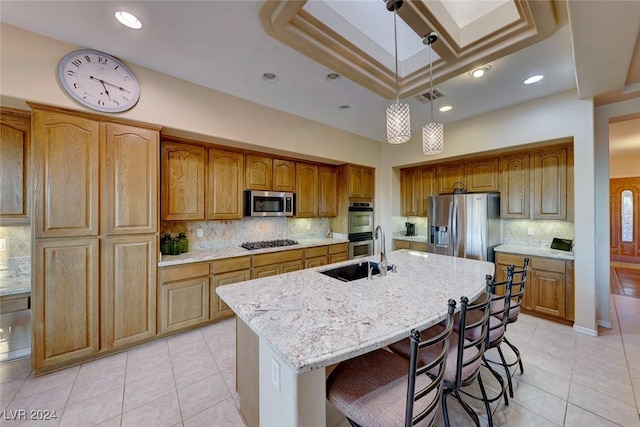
x=270 y=264
x=315 y=257
x=338 y=252
x=184 y=296
x=407 y=244
x=549 y=291
x=226 y=272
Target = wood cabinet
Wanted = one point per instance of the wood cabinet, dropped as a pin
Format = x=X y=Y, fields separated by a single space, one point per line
x=65 y=175
x=183 y=181
x=482 y=175
x=65 y=301
x=306 y=190
x=515 y=195
x=450 y=176
x=272 y=263
x=128 y=290
x=225 y=272
x=407 y=244
x=411 y=192
x=225 y=176
x=184 y=296
x=15 y=142
x=327 y=191
x=267 y=174
x=129 y=176
x=550 y=184
x=338 y=252
x=315 y=257
x=361 y=181
x=549 y=291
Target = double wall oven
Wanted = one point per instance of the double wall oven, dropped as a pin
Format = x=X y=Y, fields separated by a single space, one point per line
x=360 y=229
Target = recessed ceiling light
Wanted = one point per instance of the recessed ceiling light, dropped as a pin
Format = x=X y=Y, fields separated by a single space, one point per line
x=128 y=20
x=269 y=77
x=332 y=77
x=479 y=72
x=533 y=79
x=446 y=108
x=344 y=107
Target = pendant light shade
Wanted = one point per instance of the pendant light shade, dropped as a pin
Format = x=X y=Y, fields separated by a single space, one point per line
x=433 y=132
x=398 y=116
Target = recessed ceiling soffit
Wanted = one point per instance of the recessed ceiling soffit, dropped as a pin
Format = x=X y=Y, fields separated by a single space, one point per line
x=512 y=26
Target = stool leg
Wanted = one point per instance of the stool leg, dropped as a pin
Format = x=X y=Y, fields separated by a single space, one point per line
x=507 y=370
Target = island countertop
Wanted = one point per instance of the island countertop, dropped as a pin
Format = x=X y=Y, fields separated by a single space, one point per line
x=312 y=320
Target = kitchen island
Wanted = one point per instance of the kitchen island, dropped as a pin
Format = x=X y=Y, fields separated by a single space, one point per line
x=303 y=322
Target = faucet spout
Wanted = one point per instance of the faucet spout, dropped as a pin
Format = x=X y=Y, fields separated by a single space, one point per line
x=379 y=235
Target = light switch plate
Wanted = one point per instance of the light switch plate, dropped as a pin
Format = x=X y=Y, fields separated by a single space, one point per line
x=3 y=244
x=199 y=232
x=530 y=231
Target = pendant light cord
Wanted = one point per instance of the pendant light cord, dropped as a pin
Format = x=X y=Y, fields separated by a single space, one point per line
x=431 y=82
x=395 y=38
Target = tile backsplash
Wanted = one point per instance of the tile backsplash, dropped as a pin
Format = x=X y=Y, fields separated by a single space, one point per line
x=18 y=240
x=516 y=231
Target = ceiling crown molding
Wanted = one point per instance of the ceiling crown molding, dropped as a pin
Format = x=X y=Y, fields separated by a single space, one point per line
x=460 y=48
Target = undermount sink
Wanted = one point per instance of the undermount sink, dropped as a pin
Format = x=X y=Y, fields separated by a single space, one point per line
x=350 y=272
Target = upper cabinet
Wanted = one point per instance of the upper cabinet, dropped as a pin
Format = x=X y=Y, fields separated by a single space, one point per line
x=225 y=174
x=284 y=175
x=411 y=192
x=15 y=141
x=327 y=184
x=515 y=196
x=361 y=181
x=267 y=174
x=306 y=190
x=550 y=184
x=482 y=175
x=183 y=183
x=450 y=177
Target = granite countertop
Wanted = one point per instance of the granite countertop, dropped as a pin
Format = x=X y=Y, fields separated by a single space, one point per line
x=535 y=251
x=198 y=255
x=416 y=238
x=312 y=320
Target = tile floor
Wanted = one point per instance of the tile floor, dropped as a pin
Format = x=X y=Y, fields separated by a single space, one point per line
x=188 y=380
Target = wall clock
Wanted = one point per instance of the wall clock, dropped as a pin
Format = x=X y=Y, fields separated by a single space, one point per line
x=98 y=81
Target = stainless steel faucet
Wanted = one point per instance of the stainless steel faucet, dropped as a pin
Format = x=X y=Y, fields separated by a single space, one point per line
x=383 y=253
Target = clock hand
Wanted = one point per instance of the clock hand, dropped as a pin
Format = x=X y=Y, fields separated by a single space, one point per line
x=105 y=90
x=110 y=84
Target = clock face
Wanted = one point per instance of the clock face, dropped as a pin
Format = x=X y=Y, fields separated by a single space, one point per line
x=98 y=81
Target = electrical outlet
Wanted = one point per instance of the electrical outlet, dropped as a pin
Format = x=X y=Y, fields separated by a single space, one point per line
x=530 y=231
x=275 y=373
x=3 y=244
x=308 y=226
x=199 y=232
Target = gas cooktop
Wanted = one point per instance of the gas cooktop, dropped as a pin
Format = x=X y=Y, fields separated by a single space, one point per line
x=269 y=244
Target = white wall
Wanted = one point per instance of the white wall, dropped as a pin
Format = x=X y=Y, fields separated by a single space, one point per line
x=624 y=164
x=557 y=116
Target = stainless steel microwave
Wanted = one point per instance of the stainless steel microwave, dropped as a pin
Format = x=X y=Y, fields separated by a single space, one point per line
x=269 y=203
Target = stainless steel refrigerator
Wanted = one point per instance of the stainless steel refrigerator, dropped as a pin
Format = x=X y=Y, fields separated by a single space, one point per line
x=464 y=225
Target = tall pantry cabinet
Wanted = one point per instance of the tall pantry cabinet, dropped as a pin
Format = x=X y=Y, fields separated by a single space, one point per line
x=95 y=225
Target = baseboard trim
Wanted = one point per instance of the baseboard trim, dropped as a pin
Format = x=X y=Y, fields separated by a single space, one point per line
x=585 y=331
x=604 y=324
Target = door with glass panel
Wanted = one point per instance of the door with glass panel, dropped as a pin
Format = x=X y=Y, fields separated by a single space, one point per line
x=625 y=233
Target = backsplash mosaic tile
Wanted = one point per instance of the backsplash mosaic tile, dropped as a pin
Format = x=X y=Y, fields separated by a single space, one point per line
x=516 y=232
x=18 y=239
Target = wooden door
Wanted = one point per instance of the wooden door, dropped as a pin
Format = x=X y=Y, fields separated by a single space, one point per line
x=65 y=175
x=550 y=184
x=258 y=173
x=624 y=214
x=219 y=309
x=129 y=188
x=482 y=175
x=306 y=190
x=328 y=191
x=546 y=293
x=429 y=188
x=183 y=304
x=284 y=175
x=65 y=301
x=264 y=271
x=450 y=177
x=225 y=179
x=368 y=183
x=411 y=192
x=15 y=141
x=289 y=266
x=128 y=290
x=515 y=192
x=183 y=181
x=355 y=181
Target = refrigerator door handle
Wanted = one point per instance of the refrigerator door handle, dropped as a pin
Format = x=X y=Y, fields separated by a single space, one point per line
x=454 y=226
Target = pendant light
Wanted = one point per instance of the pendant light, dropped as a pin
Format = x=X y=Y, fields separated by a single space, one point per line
x=433 y=132
x=398 y=117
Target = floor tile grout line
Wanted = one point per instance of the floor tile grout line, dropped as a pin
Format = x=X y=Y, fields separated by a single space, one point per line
x=633 y=389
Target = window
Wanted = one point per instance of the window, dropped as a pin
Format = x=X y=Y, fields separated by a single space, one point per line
x=627 y=216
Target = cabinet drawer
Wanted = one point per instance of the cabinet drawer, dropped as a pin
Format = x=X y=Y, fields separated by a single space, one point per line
x=339 y=247
x=401 y=244
x=230 y=264
x=277 y=257
x=547 y=264
x=507 y=259
x=315 y=252
x=169 y=274
x=315 y=262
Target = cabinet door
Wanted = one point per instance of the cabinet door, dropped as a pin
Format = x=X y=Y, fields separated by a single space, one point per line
x=258 y=173
x=546 y=290
x=129 y=180
x=183 y=181
x=128 y=290
x=515 y=193
x=183 y=304
x=411 y=192
x=284 y=175
x=429 y=179
x=65 y=301
x=368 y=183
x=328 y=184
x=226 y=172
x=289 y=266
x=450 y=177
x=65 y=175
x=550 y=184
x=264 y=271
x=219 y=309
x=400 y=244
x=338 y=257
x=355 y=181
x=15 y=141
x=306 y=190
x=315 y=262
x=482 y=175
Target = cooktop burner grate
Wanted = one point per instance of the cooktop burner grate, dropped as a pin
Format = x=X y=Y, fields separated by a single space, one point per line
x=268 y=244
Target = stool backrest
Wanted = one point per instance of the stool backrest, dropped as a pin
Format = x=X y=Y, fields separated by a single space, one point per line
x=518 y=285
x=500 y=297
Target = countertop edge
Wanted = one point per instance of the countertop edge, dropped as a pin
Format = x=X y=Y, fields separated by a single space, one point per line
x=536 y=251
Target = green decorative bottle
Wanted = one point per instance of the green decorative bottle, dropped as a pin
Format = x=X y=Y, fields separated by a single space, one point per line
x=176 y=246
x=165 y=244
x=184 y=242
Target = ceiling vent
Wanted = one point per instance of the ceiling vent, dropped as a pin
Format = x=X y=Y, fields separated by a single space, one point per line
x=430 y=96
